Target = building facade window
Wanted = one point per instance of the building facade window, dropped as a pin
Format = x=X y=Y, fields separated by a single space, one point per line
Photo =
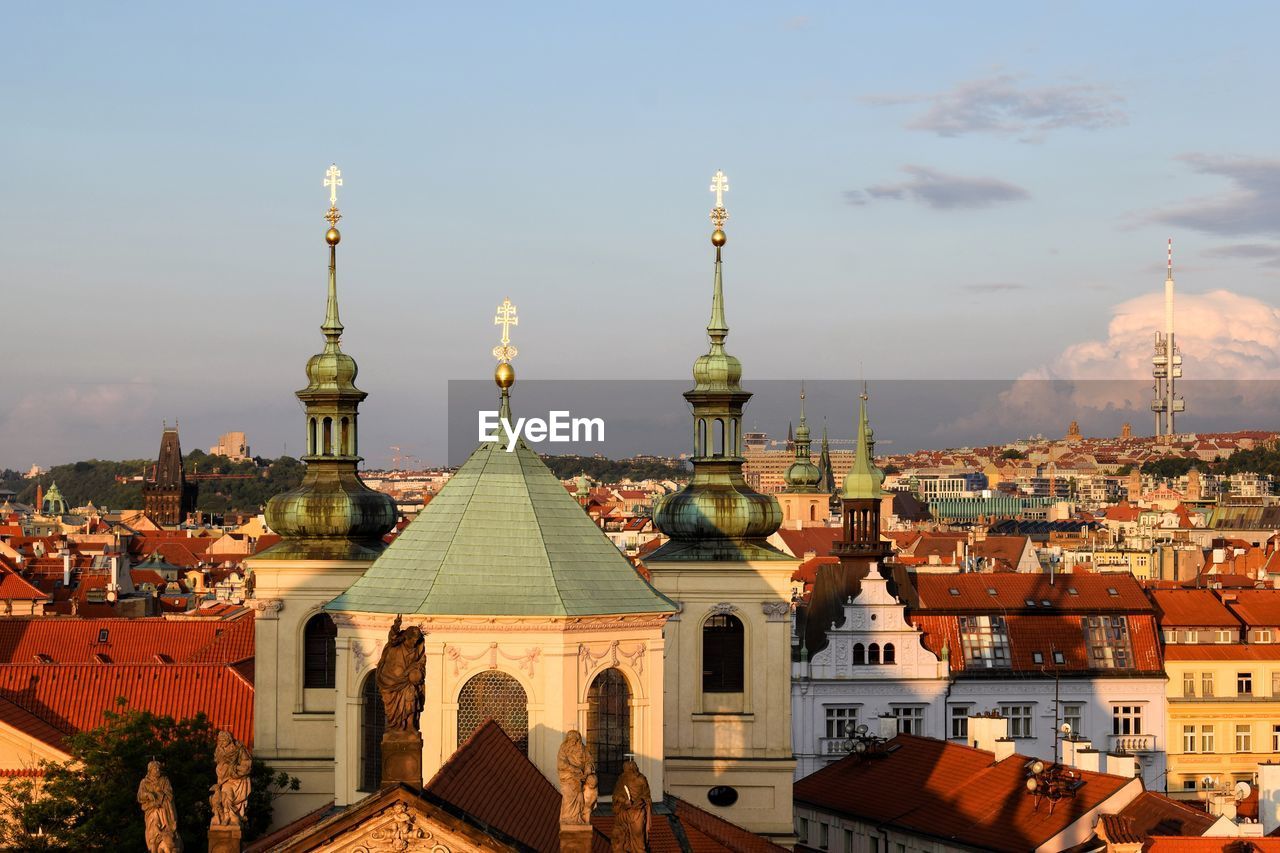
x=498 y=695
x=985 y=641
x=1244 y=737
x=1019 y=717
x=841 y=721
x=319 y=651
x=372 y=723
x=1275 y=738
x=1206 y=685
x=890 y=654
x=859 y=654
x=1207 y=743
x=1188 y=739
x=1126 y=719
x=609 y=725
x=824 y=835
x=1244 y=683
x=1188 y=685
x=1108 y=640
x=1275 y=684
x=1073 y=715
x=848 y=841
x=910 y=719
x=960 y=721
x=873 y=653
x=1224 y=636
x=802 y=830
x=723 y=638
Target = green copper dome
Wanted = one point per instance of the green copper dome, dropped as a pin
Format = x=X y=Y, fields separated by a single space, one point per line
x=717 y=516
x=802 y=476
x=331 y=515
x=864 y=479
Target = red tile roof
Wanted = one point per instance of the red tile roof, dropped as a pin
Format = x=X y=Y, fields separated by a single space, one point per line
x=1175 y=844
x=1259 y=608
x=1222 y=651
x=818 y=540
x=986 y=593
x=17 y=589
x=127 y=640
x=32 y=726
x=951 y=792
x=1191 y=608
x=73 y=697
x=1156 y=814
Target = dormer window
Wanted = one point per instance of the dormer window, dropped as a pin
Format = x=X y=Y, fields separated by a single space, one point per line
x=102 y=635
x=985 y=641
x=1108 y=640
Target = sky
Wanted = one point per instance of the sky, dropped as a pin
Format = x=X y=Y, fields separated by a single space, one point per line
x=975 y=193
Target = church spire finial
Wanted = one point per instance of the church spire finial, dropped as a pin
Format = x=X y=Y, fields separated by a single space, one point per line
x=332 y=326
x=505 y=375
x=718 y=326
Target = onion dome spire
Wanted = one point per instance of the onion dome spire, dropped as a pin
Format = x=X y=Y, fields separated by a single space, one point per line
x=331 y=514
x=802 y=475
x=717 y=516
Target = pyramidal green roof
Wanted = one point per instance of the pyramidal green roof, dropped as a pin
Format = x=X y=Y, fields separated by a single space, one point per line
x=502 y=538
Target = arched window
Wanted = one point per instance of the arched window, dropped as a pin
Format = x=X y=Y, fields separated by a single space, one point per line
x=722 y=654
x=813 y=512
x=889 y=654
x=343 y=437
x=327 y=429
x=718 y=426
x=787 y=510
x=498 y=695
x=873 y=653
x=609 y=725
x=859 y=654
x=372 y=723
x=701 y=449
x=311 y=437
x=319 y=650
x=732 y=449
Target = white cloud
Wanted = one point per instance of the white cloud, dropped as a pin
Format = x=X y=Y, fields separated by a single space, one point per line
x=941 y=191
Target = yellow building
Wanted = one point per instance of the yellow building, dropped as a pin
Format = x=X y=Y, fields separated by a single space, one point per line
x=1224 y=686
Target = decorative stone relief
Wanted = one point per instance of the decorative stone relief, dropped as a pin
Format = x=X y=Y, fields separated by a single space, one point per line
x=614 y=652
x=526 y=660
x=363 y=651
x=267 y=608
x=776 y=611
x=721 y=609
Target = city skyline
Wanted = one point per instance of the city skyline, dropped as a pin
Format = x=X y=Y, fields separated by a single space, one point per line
x=1029 y=170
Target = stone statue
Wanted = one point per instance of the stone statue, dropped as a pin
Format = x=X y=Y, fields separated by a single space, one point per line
x=402 y=671
x=632 y=810
x=230 y=795
x=578 y=791
x=155 y=796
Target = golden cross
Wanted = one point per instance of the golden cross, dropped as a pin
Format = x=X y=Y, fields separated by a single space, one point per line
x=719 y=186
x=506 y=318
x=333 y=180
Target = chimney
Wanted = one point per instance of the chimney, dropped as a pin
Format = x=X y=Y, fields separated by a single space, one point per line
x=1005 y=747
x=1089 y=759
x=66 y=569
x=986 y=729
x=1269 y=797
x=888 y=726
x=1122 y=764
x=1071 y=746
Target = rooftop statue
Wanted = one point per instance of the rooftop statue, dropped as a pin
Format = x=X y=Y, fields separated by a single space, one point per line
x=155 y=796
x=402 y=671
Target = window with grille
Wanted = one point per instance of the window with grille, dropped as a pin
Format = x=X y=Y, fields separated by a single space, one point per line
x=1019 y=717
x=372 y=723
x=319 y=649
x=494 y=694
x=985 y=641
x=841 y=722
x=722 y=654
x=960 y=721
x=609 y=725
x=1126 y=719
x=1108 y=640
x=1244 y=737
x=910 y=719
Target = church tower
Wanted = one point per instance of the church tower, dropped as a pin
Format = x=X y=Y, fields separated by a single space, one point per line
x=531 y=617
x=168 y=498
x=728 y=703
x=331 y=527
x=803 y=504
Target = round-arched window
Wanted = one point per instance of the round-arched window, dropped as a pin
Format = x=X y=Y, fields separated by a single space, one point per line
x=609 y=725
x=494 y=694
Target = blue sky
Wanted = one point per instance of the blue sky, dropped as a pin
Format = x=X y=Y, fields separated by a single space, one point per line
x=976 y=193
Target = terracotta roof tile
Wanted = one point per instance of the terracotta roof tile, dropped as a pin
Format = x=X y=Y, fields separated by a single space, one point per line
x=952 y=792
x=1191 y=608
x=74 y=697
x=1156 y=814
x=1258 y=608
x=127 y=640
x=818 y=540
x=1222 y=651
x=982 y=592
x=1175 y=844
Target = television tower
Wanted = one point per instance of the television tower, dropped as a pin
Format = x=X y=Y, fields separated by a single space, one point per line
x=1166 y=364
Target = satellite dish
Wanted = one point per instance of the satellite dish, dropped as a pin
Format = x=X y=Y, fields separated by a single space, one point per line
x=1065 y=729
x=1243 y=790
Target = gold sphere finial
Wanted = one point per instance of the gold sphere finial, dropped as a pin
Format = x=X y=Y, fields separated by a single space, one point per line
x=505 y=375
x=332 y=236
x=718 y=238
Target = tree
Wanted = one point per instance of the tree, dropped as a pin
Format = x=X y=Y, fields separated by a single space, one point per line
x=89 y=802
x=1013 y=453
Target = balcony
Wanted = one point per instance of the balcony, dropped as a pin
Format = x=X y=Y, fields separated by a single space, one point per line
x=1132 y=743
x=833 y=746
